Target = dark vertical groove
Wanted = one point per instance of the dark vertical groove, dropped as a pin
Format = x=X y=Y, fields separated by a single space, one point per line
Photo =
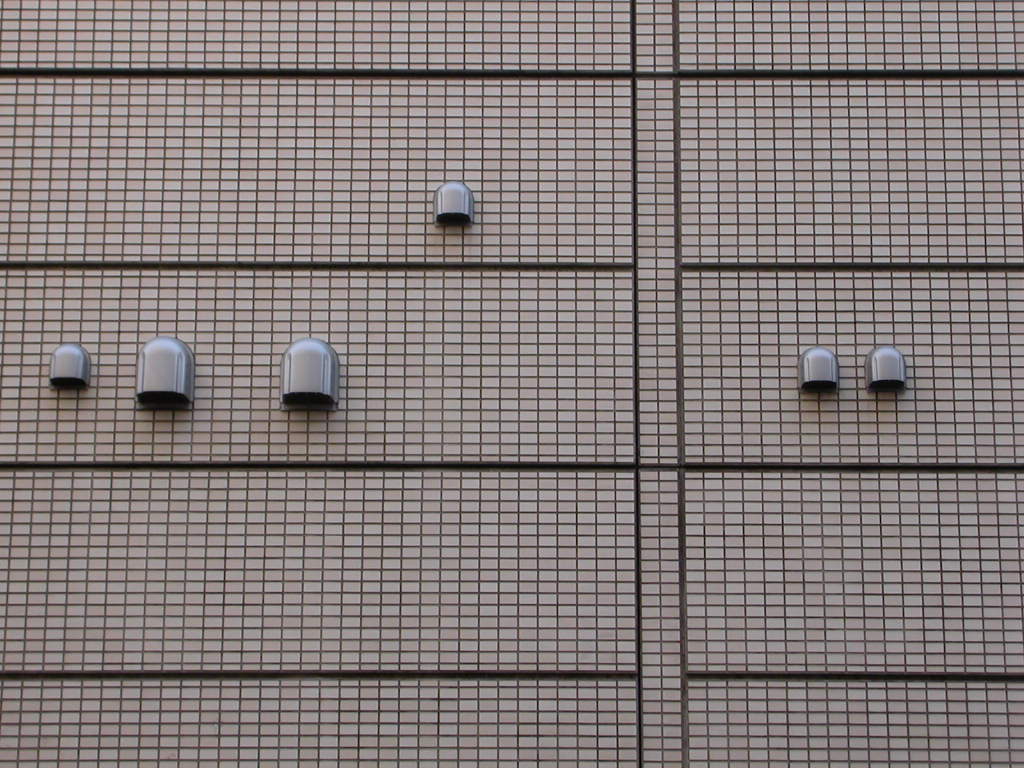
x=677 y=187
x=635 y=220
x=680 y=444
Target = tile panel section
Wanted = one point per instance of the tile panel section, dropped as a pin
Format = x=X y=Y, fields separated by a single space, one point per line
x=436 y=366
x=855 y=725
x=862 y=171
x=656 y=275
x=654 y=35
x=317 y=570
x=900 y=572
x=661 y=621
x=850 y=34
x=325 y=34
x=331 y=170
x=318 y=722
x=962 y=335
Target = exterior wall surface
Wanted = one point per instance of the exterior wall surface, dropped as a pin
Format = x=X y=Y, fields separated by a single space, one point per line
x=573 y=508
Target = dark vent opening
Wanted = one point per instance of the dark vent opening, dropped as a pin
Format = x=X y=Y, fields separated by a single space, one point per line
x=452 y=218
x=162 y=399
x=820 y=386
x=887 y=385
x=308 y=399
x=68 y=382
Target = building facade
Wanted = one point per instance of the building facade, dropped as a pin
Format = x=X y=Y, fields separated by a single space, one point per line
x=573 y=508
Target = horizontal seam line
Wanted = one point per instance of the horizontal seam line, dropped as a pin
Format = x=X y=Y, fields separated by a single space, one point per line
x=517 y=266
x=850 y=74
x=313 y=73
x=311 y=266
x=270 y=675
x=341 y=465
x=852 y=266
x=726 y=466
x=741 y=675
x=524 y=466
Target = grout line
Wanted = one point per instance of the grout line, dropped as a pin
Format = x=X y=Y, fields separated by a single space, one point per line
x=434 y=266
x=335 y=73
x=740 y=466
x=510 y=266
x=676 y=56
x=321 y=674
x=684 y=650
x=825 y=675
x=637 y=512
x=852 y=266
x=849 y=74
x=520 y=466
x=310 y=266
x=319 y=73
x=255 y=466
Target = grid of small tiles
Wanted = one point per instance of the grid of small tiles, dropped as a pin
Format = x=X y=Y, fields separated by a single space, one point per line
x=331 y=34
x=364 y=724
x=851 y=171
x=573 y=510
x=743 y=332
x=437 y=366
x=304 y=569
x=656 y=273
x=327 y=170
x=850 y=34
x=855 y=572
x=654 y=35
x=663 y=650
x=765 y=724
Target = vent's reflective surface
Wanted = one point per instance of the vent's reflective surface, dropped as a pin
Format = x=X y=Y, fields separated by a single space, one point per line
x=886 y=370
x=70 y=367
x=453 y=204
x=310 y=376
x=819 y=370
x=166 y=376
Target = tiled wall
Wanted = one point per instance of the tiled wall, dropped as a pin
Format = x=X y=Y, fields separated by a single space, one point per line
x=854 y=571
x=847 y=724
x=318 y=569
x=961 y=332
x=396 y=34
x=850 y=34
x=573 y=509
x=360 y=723
x=442 y=365
x=851 y=171
x=331 y=170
